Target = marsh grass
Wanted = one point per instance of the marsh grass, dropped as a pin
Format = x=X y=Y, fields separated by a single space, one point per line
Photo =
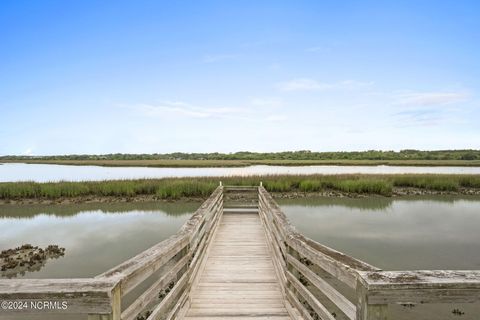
x=175 y=188
x=438 y=183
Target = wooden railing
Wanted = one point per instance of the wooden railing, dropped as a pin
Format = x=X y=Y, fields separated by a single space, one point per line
x=173 y=263
x=317 y=282
x=322 y=283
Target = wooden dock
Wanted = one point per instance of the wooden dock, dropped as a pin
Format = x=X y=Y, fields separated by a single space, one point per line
x=238 y=280
x=239 y=258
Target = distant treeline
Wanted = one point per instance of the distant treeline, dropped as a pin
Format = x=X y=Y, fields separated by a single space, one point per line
x=286 y=155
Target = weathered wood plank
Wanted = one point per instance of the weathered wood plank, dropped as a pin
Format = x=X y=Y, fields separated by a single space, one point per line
x=336 y=263
x=151 y=293
x=163 y=307
x=310 y=298
x=80 y=295
x=178 y=306
x=293 y=299
x=140 y=267
x=347 y=307
x=426 y=286
x=367 y=311
x=238 y=278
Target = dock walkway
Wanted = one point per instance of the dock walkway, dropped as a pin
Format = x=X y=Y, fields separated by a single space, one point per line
x=239 y=280
x=238 y=258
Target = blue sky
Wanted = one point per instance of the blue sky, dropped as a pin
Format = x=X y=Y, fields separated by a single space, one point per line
x=204 y=76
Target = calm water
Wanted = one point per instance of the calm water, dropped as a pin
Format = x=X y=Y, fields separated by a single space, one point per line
x=96 y=237
x=48 y=172
x=395 y=234
x=407 y=233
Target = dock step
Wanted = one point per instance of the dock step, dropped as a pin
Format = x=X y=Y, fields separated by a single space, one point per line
x=240 y=210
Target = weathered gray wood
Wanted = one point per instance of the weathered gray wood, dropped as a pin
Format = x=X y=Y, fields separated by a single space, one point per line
x=178 y=306
x=163 y=307
x=240 y=188
x=100 y=317
x=278 y=260
x=428 y=286
x=317 y=306
x=238 y=278
x=336 y=263
x=227 y=269
x=116 y=303
x=274 y=230
x=201 y=253
x=140 y=267
x=330 y=292
x=366 y=311
x=293 y=299
x=81 y=295
x=151 y=293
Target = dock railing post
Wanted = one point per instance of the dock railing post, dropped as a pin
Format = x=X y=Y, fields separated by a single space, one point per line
x=116 y=301
x=367 y=311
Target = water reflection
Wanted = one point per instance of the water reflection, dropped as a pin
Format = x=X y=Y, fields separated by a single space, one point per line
x=96 y=237
x=406 y=233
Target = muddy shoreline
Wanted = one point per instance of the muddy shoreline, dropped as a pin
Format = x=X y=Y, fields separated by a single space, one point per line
x=397 y=192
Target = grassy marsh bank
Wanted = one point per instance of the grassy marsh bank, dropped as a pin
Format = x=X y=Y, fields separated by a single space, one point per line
x=176 y=188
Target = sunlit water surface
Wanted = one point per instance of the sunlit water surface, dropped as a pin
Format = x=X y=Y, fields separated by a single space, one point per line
x=440 y=232
x=407 y=233
x=410 y=233
x=50 y=172
x=96 y=237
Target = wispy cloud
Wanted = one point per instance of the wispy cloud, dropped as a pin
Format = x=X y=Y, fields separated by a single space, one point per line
x=276 y=118
x=424 y=117
x=259 y=110
x=185 y=109
x=307 y=84
x=424 y=109
x=354 y=84
x=266 y=102
x=212 y=58
x=431 y=98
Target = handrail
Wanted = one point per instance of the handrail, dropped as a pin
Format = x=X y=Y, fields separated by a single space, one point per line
x=176 y=258
x=317 y=282
x=302 y=264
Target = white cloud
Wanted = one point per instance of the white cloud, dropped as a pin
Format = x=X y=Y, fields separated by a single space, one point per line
x=185 y=109
x=421 y=118
x=307 y=84
x=431 y=98
x=266 y=102
x=258 y=110
x=276 y=118
x=428 y=108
